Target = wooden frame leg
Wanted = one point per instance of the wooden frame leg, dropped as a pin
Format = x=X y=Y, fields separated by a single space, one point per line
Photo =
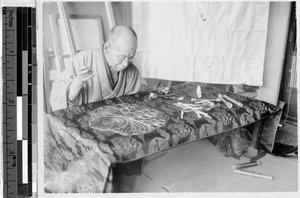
x=253 y=153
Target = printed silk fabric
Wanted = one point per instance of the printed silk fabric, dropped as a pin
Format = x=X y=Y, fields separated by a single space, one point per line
x=83 y=142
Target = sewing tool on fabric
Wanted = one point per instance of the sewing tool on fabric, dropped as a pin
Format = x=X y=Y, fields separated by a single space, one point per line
x=199 y=92
x=152 y=96
x=182 y=113
x=191 y=108
x=168 y=96
x=202 y=113
x=198 y=113
x=205 y=102
x=246 y=165
x=253 y=174
x=233 y=101
x=188 y=106
x=213 y=107
x=165 y=90
x=228 y=104
x=211 y=99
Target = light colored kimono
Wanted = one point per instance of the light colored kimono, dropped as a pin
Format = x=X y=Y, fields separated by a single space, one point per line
x=98 y=87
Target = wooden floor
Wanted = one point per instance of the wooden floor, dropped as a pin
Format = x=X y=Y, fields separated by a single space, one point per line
x=199 y=167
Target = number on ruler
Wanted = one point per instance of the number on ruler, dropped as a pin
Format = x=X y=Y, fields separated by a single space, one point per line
x=33 y=50
x=14 y=162
x=10 y=100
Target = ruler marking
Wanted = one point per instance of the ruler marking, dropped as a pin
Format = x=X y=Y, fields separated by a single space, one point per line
x=19 y=54
x=20 y=38
x=31 y=57
x=9 y=56
x=31 y=96
x=25 y=160
x=24 y=29
x=19 y=118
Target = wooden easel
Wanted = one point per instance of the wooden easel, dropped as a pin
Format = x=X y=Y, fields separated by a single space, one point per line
x=58 y=51
x=67 y=26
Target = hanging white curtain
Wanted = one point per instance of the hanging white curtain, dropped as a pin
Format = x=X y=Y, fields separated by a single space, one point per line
x=206 y=42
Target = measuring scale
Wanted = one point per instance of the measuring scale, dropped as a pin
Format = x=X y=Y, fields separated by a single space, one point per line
x=18 y=64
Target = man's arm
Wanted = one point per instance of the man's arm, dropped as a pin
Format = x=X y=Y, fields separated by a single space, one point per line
x=84 y=74
x=66 y=88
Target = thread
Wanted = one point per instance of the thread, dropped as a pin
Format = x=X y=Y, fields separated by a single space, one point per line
x=114 y=94
x=108 y=89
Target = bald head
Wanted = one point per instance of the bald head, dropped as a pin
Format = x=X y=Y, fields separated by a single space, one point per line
x=123 y=37
x=120 y=47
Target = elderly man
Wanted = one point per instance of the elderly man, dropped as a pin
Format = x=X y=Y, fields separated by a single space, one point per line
x=99 y=74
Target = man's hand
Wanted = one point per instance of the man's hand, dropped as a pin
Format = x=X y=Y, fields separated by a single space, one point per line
x=84 y=74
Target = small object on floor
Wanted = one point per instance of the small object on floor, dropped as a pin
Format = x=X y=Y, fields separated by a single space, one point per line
x=233 y=101
x=253 y=174
x=199 y=92
x=246 y=165
x=213 y=107
x=228 y=104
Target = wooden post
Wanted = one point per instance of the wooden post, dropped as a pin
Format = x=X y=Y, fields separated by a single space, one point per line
x=253 y=153
x=110 y=14
x=46 y=83
x=56 y=43
x=256 y=134
x=278 y=26
x=67 y=27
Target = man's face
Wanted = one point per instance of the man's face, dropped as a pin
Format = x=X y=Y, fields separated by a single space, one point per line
x=120 y=56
